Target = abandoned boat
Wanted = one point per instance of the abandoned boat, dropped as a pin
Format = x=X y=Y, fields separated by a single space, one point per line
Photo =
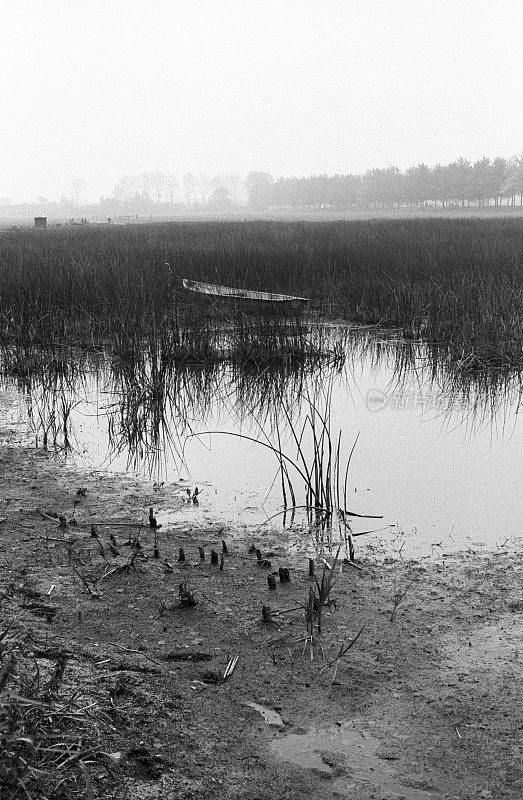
x=250 y=297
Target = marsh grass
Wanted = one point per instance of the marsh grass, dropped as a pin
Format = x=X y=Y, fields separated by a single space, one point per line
x=317 y=462
x=452 y=282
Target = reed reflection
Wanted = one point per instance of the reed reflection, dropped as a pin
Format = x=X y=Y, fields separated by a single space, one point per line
x=152 y=401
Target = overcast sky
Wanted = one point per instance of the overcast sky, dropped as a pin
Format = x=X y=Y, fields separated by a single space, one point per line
x=101 y=88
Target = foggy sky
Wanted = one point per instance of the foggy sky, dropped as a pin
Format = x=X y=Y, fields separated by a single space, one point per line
x=103 y=88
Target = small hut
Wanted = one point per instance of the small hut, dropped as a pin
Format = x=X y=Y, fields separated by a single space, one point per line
x=40 y=222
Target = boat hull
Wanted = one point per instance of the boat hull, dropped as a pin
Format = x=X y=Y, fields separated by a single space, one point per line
x=247 y=298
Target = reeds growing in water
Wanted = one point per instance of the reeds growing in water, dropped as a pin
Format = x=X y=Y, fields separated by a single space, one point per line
x=456 y=283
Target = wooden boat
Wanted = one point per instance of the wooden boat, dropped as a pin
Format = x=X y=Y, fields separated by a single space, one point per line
x=280 y=302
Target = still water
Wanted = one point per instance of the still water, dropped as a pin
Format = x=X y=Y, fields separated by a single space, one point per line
x=441 y=465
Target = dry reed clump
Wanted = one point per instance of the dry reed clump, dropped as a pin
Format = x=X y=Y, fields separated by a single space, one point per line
x=50 y=738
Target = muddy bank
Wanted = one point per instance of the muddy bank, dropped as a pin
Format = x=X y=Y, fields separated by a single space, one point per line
x=426 y=704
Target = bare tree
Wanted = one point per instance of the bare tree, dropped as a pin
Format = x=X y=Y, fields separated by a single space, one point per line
x=204 y=186
x=172 y=187
x=159 y=185
x=220 y=198
x=153 y=185
x=77 y=187
x=233 y=183
x=126 y=189
x=189 y=185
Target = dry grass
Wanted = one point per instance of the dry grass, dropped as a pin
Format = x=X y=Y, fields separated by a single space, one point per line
x=49 y=737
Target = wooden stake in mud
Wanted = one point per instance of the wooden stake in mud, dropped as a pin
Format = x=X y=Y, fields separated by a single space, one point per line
x=202 y=553
x=284 y=574
x=152 y=519
x=311 y=568
x=266 y=614
x=224 y=547
x=271 y=580
x=351 y=548
x=186 y=596
x=94 y=535
x=259 y=555
x=214 y=557
x=181 y=555
x=113 y=545
x=222 y=563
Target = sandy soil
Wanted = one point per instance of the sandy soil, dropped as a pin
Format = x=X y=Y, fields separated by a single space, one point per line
x=426 y=704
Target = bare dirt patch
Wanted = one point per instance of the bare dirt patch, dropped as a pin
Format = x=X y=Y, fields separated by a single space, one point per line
x=427 y=704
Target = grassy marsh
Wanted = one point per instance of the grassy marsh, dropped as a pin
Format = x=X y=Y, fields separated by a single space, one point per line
x=456 y=283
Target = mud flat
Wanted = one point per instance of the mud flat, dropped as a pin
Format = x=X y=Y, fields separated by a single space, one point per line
x=96 y=637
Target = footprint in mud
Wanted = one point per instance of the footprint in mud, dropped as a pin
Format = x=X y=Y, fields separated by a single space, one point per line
x=147 y=765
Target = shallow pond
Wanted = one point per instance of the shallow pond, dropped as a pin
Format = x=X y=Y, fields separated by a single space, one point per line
x=441 y=466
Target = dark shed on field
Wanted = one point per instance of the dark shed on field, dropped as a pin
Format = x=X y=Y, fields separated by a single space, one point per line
x=40 y=222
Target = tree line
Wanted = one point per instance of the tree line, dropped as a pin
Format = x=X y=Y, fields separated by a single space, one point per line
x=461 y=183
x=141 y=191
x=481 y=184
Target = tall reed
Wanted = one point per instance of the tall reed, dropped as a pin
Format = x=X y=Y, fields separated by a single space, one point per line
x=454 y=282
